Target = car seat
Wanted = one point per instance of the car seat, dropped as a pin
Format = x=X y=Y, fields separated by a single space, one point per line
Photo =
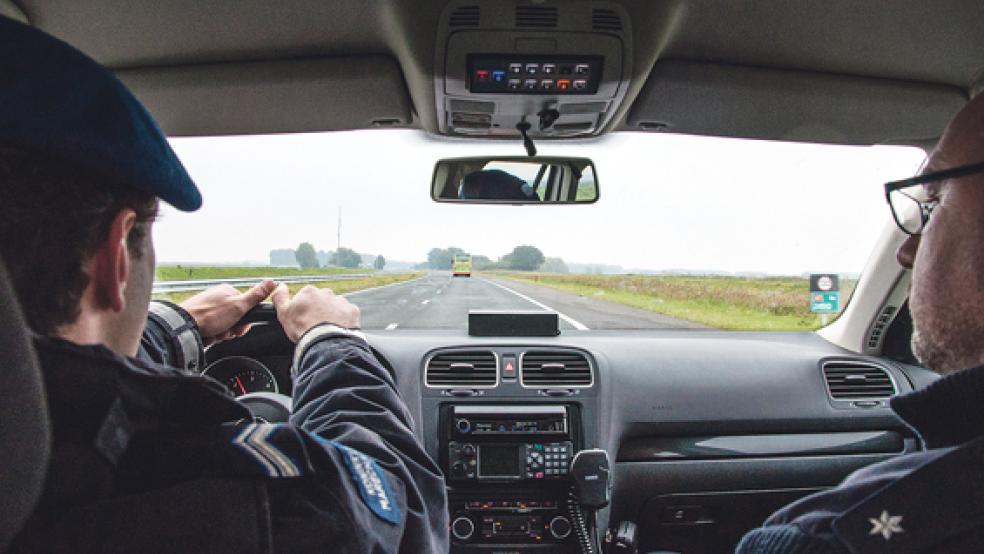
x=25 y=434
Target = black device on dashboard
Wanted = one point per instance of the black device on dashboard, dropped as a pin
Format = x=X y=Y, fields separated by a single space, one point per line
x=513 y=323
x=508 y=443
x=508 y=468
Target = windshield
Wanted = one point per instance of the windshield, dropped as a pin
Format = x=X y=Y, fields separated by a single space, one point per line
x=688 y=232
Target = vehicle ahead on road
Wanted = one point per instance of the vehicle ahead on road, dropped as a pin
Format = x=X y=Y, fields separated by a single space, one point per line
x=462 y=266
x=743 y=145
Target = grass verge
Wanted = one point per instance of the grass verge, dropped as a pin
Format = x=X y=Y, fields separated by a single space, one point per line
x=737 y=303
x=344 y=286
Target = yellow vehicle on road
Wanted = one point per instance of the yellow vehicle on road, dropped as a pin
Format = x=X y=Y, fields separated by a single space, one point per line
x=462 y=266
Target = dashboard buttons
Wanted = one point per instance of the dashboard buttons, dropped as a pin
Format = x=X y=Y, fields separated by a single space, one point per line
x=547 y=84
x=529 y=84
x=463 y=528
x=563 y=84
x=463 y=425
x=560 y=527
x=580 y=84
x=515 y=84
x=498 y=75
x=582 y=69
x=482 y=75
x=532 y=68
x=549 y=69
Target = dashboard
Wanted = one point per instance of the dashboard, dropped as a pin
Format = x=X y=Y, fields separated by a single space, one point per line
x=708 y=432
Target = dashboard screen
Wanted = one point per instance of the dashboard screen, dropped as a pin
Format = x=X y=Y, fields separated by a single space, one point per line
x=498 y=460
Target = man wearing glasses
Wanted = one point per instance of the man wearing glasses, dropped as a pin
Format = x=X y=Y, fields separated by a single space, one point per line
x=929 y=501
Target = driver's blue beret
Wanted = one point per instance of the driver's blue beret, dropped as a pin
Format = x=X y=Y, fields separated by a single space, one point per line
x=56 y=101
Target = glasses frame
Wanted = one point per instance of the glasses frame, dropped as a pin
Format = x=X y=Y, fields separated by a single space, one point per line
x=923 y=179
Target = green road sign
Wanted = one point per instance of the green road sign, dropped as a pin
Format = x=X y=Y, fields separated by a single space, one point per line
x=825 y=302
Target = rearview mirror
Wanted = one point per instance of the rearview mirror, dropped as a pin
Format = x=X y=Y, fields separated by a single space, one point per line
x=515 y=180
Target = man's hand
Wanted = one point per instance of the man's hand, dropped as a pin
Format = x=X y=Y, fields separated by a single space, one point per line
x=216 y=310
x=312 y=306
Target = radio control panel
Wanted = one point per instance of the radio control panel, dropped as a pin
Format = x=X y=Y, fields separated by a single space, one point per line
x=509 y=461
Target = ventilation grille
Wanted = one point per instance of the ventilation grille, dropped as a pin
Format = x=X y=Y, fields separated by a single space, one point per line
x=555 y=369
x=538 y=17
x=855 y=380
x=605 y=20
x=465 y=16
x=878 y=329
x=462 y=369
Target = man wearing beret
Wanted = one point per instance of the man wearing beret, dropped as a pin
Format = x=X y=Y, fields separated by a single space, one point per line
x=932 y=500
x=147 y=454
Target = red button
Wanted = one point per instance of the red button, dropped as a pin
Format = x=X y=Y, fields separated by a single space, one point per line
x=563 y=84
x=539 y=475
x=482 y=75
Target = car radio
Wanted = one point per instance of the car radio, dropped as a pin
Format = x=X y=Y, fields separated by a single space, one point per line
x=508 y=443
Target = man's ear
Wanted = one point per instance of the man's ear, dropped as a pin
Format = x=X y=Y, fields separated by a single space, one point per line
x=110 y=264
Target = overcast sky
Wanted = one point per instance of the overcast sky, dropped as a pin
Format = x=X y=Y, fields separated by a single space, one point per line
x=667 y=201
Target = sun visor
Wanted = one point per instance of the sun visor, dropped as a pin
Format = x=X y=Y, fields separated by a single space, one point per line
x=736 y=101
x=330 y=94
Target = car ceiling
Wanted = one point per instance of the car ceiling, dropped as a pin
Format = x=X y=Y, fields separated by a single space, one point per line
x=933 y=51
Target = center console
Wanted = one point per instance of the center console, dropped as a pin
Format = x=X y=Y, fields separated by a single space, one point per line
x=508 y=470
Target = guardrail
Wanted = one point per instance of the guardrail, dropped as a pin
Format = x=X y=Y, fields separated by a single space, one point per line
x=161 y=287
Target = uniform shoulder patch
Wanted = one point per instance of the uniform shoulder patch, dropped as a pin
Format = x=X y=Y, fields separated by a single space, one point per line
x=374 y=486
x=257 y=442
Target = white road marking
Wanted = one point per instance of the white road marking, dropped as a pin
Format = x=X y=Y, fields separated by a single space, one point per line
x=392 y=326
x=573 y=322
x=398 y=283
x=425 y=302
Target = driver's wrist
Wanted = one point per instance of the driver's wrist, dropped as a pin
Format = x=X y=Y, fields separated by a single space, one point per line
x=319 y=332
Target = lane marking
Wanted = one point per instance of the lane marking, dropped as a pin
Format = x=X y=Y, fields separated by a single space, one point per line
x=392 y=326
x=425 y=302
x=398 y=283
x=573 y=322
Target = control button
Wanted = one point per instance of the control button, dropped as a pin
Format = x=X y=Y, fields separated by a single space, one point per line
x=463 y=426
x=459 y=468
x=532 y=68
x=547 y=84
x=515 y=68
x=463 y=528
x=537 y=446
x=529 y=84
x=509 y=360
x=498 y=75
x=538 y=475
x=582 y=69
x=566 y=70
x=468 y=450
x=549 y=68
x=560 y=527
x=563 y=84
x=481 y=75
x=580 y=84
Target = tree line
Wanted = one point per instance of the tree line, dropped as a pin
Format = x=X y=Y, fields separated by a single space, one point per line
x=306 y=257
x=521 y=258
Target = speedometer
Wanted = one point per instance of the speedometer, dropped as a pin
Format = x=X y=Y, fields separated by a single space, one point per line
x=242 y=375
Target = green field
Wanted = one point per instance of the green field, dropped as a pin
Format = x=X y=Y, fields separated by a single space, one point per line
x=189 y=273
x=342 y=286
x=766 y=304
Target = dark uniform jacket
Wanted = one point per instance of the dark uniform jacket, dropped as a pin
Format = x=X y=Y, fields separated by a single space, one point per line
x=151 y=459
x=928 y=501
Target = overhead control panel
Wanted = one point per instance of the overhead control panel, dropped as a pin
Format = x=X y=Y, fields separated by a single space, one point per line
x=497 y=68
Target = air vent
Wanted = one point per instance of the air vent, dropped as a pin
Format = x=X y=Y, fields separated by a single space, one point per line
x=539 y=17
x=857 y=380
x=555 y=369
x=462 y=369
x=878 y=329
x=605 y=20
x=465 y=16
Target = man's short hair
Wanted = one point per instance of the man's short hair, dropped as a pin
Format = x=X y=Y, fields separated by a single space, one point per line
x=53 y=216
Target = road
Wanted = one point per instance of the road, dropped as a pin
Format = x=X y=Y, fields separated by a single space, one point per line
x=439 y=301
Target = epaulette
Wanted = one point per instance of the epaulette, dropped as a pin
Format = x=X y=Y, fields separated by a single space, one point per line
x=935 y=504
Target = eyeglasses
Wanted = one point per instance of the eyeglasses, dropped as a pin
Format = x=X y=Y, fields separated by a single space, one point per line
x=907 y=200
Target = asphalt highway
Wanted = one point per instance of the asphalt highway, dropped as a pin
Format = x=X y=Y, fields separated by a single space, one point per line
x=440 y=301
